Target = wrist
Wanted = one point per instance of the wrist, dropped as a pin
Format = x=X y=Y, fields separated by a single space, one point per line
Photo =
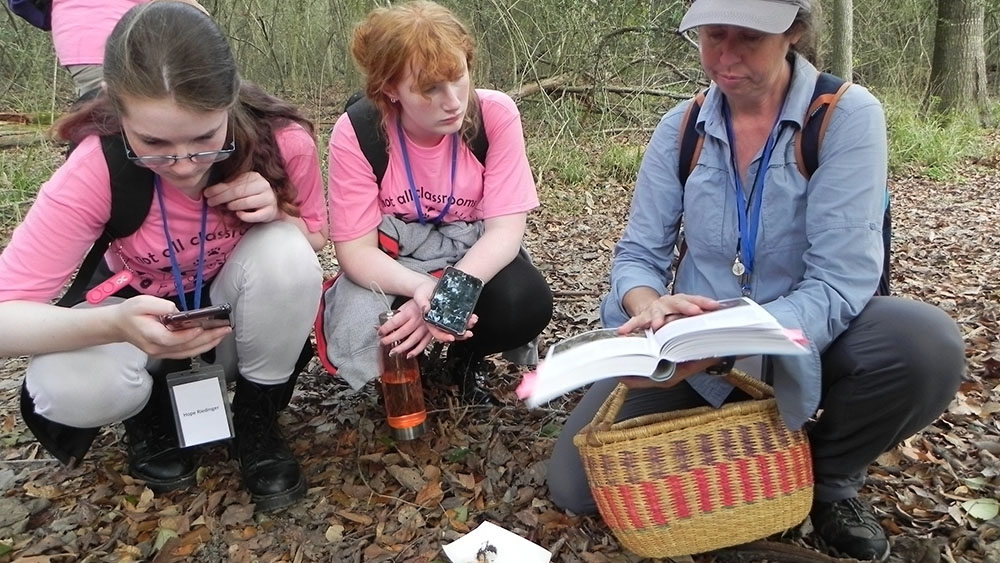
x=724 y=366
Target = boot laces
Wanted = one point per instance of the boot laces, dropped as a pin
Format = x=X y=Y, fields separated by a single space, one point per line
x=854 y=513
x=259 y=434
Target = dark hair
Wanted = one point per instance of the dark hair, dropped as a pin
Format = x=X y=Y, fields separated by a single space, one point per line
x=806 y=22
x=422 y=35
x=173 y=50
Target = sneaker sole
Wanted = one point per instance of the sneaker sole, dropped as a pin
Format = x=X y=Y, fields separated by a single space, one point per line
x=837 y=553
x=267 y=503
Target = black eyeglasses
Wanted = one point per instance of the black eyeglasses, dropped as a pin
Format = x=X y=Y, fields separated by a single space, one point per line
x=163 y=161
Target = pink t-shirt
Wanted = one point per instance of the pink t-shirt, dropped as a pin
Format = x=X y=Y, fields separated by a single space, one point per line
x=81 y=27
x=74 y=205
x=504 y=187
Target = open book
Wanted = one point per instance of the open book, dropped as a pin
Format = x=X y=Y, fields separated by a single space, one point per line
x=740 y=327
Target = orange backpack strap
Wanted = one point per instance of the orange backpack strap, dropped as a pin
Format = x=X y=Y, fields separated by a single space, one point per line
x=809 y=139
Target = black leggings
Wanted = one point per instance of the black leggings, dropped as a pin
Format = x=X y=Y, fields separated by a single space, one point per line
x=513 y=308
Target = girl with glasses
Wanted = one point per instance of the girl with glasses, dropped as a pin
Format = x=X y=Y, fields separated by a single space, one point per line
x=236 y=212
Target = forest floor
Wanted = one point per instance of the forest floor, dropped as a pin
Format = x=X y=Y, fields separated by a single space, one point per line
x=371 y=499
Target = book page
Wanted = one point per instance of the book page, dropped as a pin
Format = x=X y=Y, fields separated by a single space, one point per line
x=580 y=339
x=739 y=327
x=732 y=313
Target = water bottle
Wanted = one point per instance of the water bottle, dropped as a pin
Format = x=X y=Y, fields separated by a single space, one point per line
x=402 y=392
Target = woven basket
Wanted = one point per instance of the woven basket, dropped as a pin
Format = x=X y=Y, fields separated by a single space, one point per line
x=696 y=480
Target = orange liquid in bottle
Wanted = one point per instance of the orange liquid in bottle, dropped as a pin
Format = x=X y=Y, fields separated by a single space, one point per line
x=402 y=392
x=404 y=397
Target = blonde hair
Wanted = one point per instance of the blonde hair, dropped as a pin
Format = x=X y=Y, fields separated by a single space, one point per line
x=420 y=35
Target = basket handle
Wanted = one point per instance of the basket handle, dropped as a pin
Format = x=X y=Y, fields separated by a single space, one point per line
x=608 y=413
x=749 y=385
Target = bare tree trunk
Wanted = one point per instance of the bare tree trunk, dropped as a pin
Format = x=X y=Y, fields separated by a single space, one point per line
x=842 y=40
x=958 y=69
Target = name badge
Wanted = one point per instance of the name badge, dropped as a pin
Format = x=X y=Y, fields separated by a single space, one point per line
x=200 y=404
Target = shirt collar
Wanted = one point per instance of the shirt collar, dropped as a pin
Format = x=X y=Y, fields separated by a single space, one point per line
x=804 y=74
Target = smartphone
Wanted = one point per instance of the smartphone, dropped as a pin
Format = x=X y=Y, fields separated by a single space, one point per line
x=453 y=300
x=206 y=317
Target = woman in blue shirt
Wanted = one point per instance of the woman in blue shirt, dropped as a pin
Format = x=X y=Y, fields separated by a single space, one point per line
x=809 y=250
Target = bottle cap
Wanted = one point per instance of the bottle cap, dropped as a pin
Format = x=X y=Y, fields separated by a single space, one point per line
x=386 y=315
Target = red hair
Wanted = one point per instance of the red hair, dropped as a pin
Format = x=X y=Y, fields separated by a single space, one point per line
x=422 y=36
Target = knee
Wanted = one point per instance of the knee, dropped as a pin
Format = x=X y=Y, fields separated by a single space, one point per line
x=923 y=344
x=531 y=303
x=84 y=400
x=283 y=257
x=932 y=349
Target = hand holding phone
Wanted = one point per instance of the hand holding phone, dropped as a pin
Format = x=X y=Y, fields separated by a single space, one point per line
x=207 y=317
x=453 y=301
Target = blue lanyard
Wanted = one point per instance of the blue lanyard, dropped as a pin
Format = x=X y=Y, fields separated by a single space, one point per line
x=413 y=185
x=748 y=214
x=174 y=266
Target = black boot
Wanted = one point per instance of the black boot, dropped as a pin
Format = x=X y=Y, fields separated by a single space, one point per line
x=469 y=371
x=270 y=471
x=154 y=454
x=67 y=443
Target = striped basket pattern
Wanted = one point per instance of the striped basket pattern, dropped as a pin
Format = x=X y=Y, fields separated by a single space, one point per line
x=697 y=480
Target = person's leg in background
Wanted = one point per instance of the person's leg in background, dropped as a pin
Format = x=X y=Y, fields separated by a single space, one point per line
x=86 y=79
x=513 y=308
x=891 y=373
x=273 y=281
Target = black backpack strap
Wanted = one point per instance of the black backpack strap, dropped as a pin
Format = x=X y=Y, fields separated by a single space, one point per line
x=687 y=155
x=829 y=88
x=480 y=144
x=131 y=198
x=691 y=140
x=367 y=123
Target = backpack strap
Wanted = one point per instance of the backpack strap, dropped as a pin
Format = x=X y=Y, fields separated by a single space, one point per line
x=809 y=139
x=367 y=123
x=691 y=141
x=131 y=198
x=688 y=154
x=36 y=12
x=480 y=143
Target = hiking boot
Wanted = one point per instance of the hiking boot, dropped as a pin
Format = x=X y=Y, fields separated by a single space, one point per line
x=469 y=371
x=848 y=528
x=154 y=453
x=269 y=469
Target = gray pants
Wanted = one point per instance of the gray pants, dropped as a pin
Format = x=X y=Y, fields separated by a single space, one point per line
x=272 y=280
x=892 y=372
x=86 y=78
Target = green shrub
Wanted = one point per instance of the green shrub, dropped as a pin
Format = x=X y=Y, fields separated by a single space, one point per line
x=920 y=142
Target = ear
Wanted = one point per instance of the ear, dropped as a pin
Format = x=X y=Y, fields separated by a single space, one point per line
x=794 y=34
